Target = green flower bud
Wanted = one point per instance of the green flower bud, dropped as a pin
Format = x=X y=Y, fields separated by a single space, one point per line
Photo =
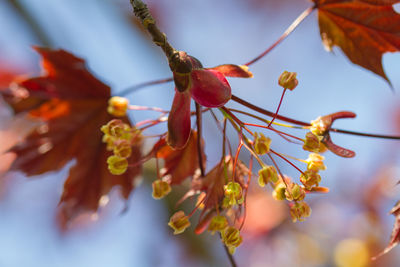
x=160 y=189
x=267 y=174
x=261 y=143
x=295 y=192
x=299 y=211
x=179 y=222
x=218 y=223
x=233 y=192
x=310 y=178
x=123 y=149
x=312 y=143
x=231 y=238
x=279 y=192
x=117 y=165
x=288 y=80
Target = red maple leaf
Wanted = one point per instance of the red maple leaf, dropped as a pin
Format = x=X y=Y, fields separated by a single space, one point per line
x=72 y=104
x=363 y=29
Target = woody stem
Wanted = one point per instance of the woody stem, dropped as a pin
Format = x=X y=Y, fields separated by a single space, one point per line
x=142 y=12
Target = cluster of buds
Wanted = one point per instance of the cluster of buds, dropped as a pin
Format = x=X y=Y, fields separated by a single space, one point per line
x=299 y=211
x=294 y=192
x=311 y=177
x=119 y=137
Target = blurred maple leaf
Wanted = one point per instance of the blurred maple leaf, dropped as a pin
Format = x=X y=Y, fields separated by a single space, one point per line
x=179 y=163
x=73 y=105
x=363 y=29
x=395 y=237
x=6 y=76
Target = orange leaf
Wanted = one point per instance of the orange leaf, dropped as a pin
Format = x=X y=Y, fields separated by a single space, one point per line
x=213 y=183
x=179 y=163
x=363 y=29
x=73 y=104
x=213 y=186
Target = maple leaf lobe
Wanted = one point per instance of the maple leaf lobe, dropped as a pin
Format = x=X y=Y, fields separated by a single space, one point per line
x=364 y=30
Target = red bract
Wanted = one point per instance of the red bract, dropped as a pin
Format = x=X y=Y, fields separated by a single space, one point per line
x=207 y=86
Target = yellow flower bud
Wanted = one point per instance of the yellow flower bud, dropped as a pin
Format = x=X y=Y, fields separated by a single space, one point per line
x=310 y=178
x=266 y=174
x=218 y=223
x=123 y=149
x=231 y=238
x=261 y=143
x=288 y=80
x=315 y=162
x=117 y=129
x=318 y=126
x=117 y=106
x=279 y=192
x=117 y=165
x=312 y=142
x=179 y=222
x=295 y=192
x=233 y=192
x=299 y=211
x=160 y=189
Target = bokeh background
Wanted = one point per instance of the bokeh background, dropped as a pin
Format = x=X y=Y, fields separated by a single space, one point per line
x=348 y=226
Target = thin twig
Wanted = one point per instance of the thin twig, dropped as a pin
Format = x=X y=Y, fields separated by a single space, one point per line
x=229 y=255
x=306 y=124
x=143 y=85
x=279 y=106
x=288 y=31
x=267 y=112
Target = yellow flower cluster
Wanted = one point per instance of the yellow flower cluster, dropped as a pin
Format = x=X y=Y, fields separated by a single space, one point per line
x=311 y=177
x=119 y=138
